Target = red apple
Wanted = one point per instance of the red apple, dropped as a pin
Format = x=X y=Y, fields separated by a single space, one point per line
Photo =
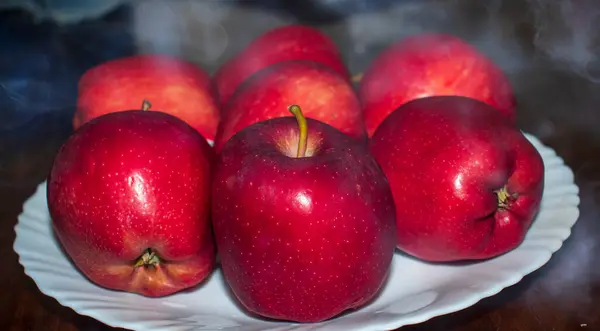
x=129 y=198
x=303 y=219
x=175 y=86
x=290 y=42
x=431 y=65
x=326 y=95
x=467 y=184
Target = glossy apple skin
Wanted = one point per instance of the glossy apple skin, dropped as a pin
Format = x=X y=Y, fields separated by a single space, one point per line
x=323 y=94
x=444 y=157
x=128 y=181
x=431 y=65
x=172 y=85
x=301 y=239
x=290 y=42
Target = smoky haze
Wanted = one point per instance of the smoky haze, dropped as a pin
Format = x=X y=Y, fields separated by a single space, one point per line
x=540 y=44
x=568 y=33
x=512 y=32
x=516 y=34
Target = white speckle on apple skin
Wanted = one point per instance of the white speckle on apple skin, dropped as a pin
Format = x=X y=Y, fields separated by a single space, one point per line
x=304 y=232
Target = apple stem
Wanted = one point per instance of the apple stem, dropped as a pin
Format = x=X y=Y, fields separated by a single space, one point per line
x=149 y=258
x=504 y=197
x=358 y=77
x=146 y=105
x=303 y=127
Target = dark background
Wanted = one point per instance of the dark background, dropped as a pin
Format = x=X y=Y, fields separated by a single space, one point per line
x=547 y=48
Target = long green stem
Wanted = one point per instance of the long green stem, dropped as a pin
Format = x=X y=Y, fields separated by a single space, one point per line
x=302 y=127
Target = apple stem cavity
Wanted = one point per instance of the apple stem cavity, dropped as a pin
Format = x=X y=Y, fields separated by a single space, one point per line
x=504 y=197
x=149 y=258
x=302 y=127
x=146 y=105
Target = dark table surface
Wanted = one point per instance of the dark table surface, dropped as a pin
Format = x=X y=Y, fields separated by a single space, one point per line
x=557 y=103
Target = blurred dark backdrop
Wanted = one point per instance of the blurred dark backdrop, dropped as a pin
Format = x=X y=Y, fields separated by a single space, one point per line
x=45 y=45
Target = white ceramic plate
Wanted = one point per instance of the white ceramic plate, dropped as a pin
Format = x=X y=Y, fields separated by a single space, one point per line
x=415 y=293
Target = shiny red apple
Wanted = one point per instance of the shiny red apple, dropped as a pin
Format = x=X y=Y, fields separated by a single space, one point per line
x=175 y=86
x=467 y=184
x=303 y=219
x=129 y=198
x=290 y=42
x=431 y=65
x=324 y=94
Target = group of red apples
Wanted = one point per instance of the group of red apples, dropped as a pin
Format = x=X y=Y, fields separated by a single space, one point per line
x=311 y=185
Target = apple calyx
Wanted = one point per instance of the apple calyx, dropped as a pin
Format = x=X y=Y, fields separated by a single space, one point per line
x=302 y=127
x=504 y=197
x=149 y=258
x=146 y=105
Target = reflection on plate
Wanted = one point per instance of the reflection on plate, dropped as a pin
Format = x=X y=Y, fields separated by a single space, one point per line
x=415 y=292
